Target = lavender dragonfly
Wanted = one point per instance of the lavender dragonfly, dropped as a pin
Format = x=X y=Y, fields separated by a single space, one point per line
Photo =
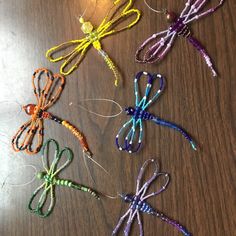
x=179 y=27
x=138 y=203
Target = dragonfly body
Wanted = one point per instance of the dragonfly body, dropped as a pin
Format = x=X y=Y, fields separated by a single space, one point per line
x=53 y=180
x=133 y=128
x=138 y=113
x=180 y=28
x=159 y=44
x=138 y=203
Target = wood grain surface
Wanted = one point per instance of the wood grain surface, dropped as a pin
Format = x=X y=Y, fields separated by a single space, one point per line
x=201 y=194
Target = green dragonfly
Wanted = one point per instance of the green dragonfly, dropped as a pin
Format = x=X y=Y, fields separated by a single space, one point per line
x=49 y=176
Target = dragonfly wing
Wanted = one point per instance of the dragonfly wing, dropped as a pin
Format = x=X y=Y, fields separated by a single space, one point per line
x=24 y=139
x=149 y=99
x=142 y=190
x=161 y=187
x=61 y=160
x=135 y=140
x=41 y=80
x=194 y=13
x=132 y=215
x=38 y=206
x=54 y=92
x=34 y=146
x=71 y=59
x=47 y=87
x=120 y=222
x=158 y=46
x=16 y=138
x=124 y=129
x=128 y=134
x=64 y=159
x=123 y=14
x=140 y=224
x=146 y=100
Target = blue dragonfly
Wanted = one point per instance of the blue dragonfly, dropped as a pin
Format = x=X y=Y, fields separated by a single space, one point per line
x=129 y=137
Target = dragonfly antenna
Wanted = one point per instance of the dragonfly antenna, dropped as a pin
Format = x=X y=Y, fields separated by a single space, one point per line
x=162 y=11
x=85 y=10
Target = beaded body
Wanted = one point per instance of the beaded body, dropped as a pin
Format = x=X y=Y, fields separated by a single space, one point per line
x=139 y=114
x=45 y=97
x=161 y=43
x=53 y=180
x=138 y=203
x=50 y=180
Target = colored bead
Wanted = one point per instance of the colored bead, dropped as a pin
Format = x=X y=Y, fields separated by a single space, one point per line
x=40 y=175
x=87 y=27
x=29 y=109
x=171 y=17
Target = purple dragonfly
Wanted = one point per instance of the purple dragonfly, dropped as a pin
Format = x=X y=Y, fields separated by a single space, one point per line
x=164 y=40
x=129 y=137
x=138 y=203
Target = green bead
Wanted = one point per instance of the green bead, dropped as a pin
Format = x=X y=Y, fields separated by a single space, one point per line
x=87 y=27
x=40 y=175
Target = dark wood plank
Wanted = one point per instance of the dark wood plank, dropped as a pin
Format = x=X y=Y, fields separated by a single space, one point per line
x=201 y=194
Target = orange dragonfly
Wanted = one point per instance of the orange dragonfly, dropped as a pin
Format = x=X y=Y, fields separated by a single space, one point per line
x=47 y=90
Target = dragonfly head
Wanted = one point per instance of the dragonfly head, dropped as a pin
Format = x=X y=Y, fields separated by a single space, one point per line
x=129 y=111
x=41 y=175
x=29 y=109
x=127 y=197
x=86 y=27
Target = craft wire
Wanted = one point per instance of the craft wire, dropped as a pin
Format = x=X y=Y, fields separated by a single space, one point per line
x=98 y=114
x=20 y=185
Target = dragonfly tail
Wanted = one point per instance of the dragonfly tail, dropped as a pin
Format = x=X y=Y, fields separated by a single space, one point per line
x=75 y=132
x=70 y=184
x=111 y=65
x=174 y=223
x=171 y=125
x=204 y=54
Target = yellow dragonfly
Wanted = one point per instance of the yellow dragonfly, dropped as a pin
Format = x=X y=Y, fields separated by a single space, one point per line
x=72 y=59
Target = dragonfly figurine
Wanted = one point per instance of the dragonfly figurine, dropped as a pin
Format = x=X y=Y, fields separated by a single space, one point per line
x=72 y=59
x=132 y=141
x=162 y=42
x=47 y=90
x=138 y=203
x=50 y=179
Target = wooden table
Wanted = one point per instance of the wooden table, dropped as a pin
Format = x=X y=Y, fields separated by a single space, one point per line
x=201 y=194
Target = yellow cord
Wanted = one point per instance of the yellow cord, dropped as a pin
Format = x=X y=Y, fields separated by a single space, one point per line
x=93 y=37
